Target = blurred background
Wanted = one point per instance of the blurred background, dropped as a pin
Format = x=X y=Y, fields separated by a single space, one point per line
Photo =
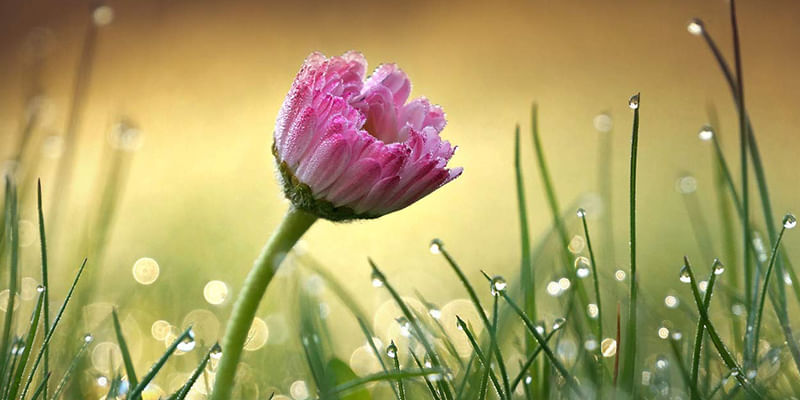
x=153 y=125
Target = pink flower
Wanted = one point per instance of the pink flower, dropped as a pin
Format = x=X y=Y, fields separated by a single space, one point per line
x=349 y=148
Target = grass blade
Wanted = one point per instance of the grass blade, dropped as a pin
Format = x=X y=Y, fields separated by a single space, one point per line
x=787 y=220
x=530 y=361
x=87 y=340
x=26 y=352
x=123 y=348
x=425 y=377
x=12 y=221
x=45 y=281
x=481 y=357
x=629 y=365
x=136 y=392
x=595 y=278
x=41 y=388
x=346 y=387
x=197 y=372
x=46 y=341
x=698 y=338
x=369 y=336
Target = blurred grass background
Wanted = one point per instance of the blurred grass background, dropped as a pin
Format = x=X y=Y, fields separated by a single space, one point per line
x=204 y=80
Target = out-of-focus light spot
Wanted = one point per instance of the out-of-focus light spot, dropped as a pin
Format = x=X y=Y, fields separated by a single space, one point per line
x=278 y=329
x=28 y=289
x=592 y=310
x=564 y=283
x=106 y=357
x=53 y=146
x=103 y=15
x=553 y=289
x=608 y=347
x=299 y=390
x=146 y=270
x=663 y=332
x=363 y=361
x=4 y=300
x=257 y=336
x=576 y=244
x=686 y=185
x=215 y=292
x=603 y=123
x=27 y=233
x=671 y=301
x=619 y=275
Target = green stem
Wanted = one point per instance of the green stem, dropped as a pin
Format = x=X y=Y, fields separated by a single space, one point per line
x=294 y=225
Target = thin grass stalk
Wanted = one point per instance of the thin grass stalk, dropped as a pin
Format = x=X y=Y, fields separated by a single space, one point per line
x=768 y=274
x=374 y=347
x=136 y=392
x=70 y=369
x=699 y=334
x=196 y=374
x=629 y=365
x=28 y=347
x=595 y=278
x=346 y=387
x=524 y=368
x=481 y=357
x=13 y=271
x=41 y=388
x=45 y=280
x=123 y=347
x=428 y=383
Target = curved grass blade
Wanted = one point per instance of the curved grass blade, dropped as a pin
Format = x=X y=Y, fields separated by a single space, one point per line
x=72 y=365
x=136 y=392
x=595 y=278
x=46 y=341
x=481 y=357
x=530 y=361
x=571 y=382
x=427 y=381
x=41 y=388
x=764 y=291
x=123 y=348
x=354 y=384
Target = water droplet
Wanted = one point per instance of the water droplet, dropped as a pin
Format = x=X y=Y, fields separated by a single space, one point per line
x=751 y=374
x=671 y=301
x=695 y=27
x=684 y=276
x=558 y=323
x=734 y=372
x=216 y=352
x=498 y=285
x=662 y=363
x=663 y=332
x=719 y=268
x=582 y=265
x=633 y=103
x=102 y=16
x=188 y=343
x=603 y=123
x=590 y=344
x=40 y=288
x=705 y=133
x=592 y=310
x=619 y=275
x=88 y=338
x=737 y=309
x=528 y=379
x=789 y=221
x=391 y=350
x=608 y=347
x=405 y=326
x=677 y=335
x=435 y=313
x=581 y=213
x=102 y=381
x=377 y=279
x=540 y=327
x=787 y=279
x=436 y=246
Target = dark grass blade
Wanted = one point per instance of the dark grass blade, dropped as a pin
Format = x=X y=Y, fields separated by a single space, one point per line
x=46 y=341
x=136 y=392
x=72 y=366
x=45 y=281
x=41 y=388
x=465 y=380
x=401 y=388
x=495 y=348
x=524 y=368
x=571 y=382
x=481 y=357
x=435 y=361
x=123 y=348
x=627 y=381
x=12 y=222
x=354 y=384
x=26 y=352
x=724 y=353
x=699 y=334
x=197 y=372
x=595 y=277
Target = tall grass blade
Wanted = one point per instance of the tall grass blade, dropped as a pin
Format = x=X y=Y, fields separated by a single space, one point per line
x=87 y=340
x=481 y=357
x=765 y=289
x=136 y=392
x=45 y=280
x=28 y=346
x=181 y=395
x=12 y=222
x=699 y=333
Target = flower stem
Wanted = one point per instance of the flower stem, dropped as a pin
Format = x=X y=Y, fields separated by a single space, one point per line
x=294 y=225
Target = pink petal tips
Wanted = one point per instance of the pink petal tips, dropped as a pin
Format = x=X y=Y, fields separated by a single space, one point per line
x=350 y=148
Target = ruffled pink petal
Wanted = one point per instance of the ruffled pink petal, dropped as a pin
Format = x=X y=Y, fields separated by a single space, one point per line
x=355 y=182
x=392 y=78
x=327 y=163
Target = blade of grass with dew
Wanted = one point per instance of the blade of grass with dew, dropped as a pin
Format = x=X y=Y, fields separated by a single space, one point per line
x=462 y=325
x=136 y=391
x=354 y=384
x=184 y=391
x=46 y=341
x=524 y=368
x=700 y=331
x=45 y=280
x=787 y=220
x=724 y=353
x=13 y=229
x=71 y=368
x=41 y=388
x=401 y=389
x=571 y=382
x=369 y=336
x=123 y=348
x=28 y=346
x=428 y=383
x=629 y=364
x=435 y=361
x=481 y=313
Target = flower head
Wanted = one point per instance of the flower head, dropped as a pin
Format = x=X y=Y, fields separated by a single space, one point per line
x=352 y=148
